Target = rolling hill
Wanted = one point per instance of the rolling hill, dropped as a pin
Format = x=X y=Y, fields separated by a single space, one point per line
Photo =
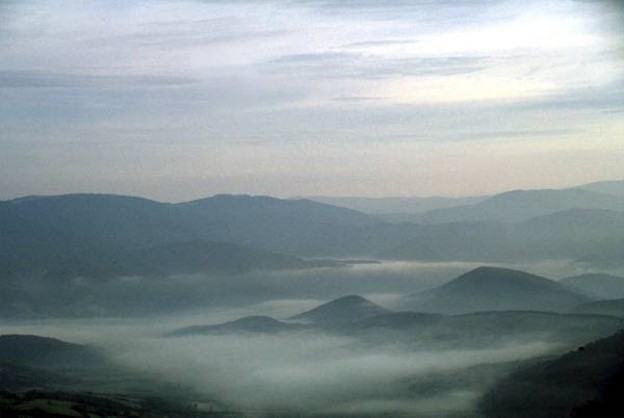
x=345 y=309
x=497 y=289
x=109 y=236
x=35 y=351
x=604 y=286
x=396 y=205
x=615 y=187
x=521 y=205
x=613 y=307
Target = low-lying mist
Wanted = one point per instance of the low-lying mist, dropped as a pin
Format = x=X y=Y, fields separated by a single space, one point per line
x=382 y=281
x=312 y=374
x=315 y=373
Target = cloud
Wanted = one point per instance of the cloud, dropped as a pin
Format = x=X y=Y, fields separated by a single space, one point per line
x=358 y=66
x=200 y=78
x=45 y=80
x=317 y=372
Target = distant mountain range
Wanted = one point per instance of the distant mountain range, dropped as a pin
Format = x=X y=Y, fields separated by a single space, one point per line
x=49 y=243
x=389 y=207
x=521 y=205
x=514 y=205
x=107 y=236
x=104 y=235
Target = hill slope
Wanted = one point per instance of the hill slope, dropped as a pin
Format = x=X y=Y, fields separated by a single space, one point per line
x=96 y=235
x=35 y=351
x=613 y=307
x=604 y=286
x=497 y=289
x=520 y=205
x=615 y=187
x=345 y=309
x=584 y=383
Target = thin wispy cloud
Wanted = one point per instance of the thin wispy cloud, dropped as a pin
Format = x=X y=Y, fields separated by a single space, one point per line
x=320 y=76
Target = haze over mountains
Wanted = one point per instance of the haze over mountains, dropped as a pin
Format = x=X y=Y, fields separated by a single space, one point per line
x=358 y=317
x=509 y=206
x=572 y=223
x=251 y=292
x=153 y=266
x=605 y=286
x=59 y=247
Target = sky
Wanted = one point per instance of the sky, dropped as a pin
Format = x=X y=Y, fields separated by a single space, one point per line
x=176 y=100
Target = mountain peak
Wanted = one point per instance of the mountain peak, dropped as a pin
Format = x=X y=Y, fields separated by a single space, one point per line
x=499 y=276
x=498 y=289
x=344 y=309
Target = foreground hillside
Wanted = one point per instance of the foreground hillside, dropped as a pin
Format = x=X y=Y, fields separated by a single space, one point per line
x=44 y=377
x=587 y=382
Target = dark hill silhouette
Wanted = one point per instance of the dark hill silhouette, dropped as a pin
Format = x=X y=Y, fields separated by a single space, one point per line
x=299 y=227
x=344 y=309
x=614 y=307
x=587 y=382
x=102 y=219
x=35 y=351
x=497 y=289
x=269 y=209
x=44 y=228
x=604 y=286
x=96 y=235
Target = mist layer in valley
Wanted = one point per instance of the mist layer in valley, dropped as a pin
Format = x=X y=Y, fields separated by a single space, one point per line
x=345 y=370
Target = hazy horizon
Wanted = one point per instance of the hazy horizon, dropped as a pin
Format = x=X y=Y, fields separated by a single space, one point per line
x=309 y=197
x=175 y=100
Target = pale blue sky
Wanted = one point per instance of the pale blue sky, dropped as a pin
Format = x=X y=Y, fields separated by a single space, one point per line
x=180 y=99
